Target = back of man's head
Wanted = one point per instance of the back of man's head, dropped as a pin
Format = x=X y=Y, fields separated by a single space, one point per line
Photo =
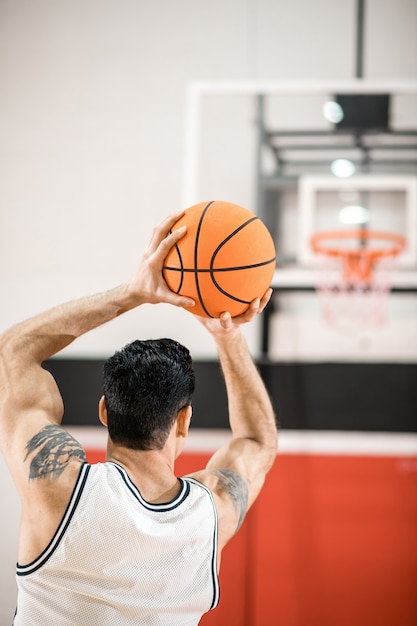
x=145 y=384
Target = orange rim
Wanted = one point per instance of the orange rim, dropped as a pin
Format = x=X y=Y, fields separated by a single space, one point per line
x=358 y=263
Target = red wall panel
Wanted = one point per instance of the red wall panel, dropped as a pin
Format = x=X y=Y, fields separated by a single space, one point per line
x=336 y=543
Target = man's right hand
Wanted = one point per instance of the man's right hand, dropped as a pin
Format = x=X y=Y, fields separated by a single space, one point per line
x=148 y=284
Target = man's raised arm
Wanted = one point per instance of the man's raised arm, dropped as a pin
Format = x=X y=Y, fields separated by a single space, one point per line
x=29 y=397
x=236 y=472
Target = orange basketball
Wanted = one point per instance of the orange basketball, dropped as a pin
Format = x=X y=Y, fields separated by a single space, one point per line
x=224 y=261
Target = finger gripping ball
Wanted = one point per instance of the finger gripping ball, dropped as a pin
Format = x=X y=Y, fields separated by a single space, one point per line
x=224 y=261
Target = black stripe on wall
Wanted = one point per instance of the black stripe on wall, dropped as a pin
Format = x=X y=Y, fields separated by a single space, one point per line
x=306 y=396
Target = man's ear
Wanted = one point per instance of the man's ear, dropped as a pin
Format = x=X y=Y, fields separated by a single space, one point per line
x=183 y=420
x=102 y=411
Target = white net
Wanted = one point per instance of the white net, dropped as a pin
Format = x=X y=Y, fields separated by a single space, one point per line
x=348 y=303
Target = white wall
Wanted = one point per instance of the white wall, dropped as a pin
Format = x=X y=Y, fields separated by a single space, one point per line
x=92 y=140
x=92 y=129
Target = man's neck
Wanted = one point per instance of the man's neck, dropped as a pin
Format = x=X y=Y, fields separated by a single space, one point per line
x=152 y=471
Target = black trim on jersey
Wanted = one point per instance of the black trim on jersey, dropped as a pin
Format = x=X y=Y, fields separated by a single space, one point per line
x=25 y=570
x=163 y=506
x=214 y=574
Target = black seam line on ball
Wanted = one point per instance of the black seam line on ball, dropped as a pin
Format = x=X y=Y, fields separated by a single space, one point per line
x=219 y=269
x=217 y=250
x=197 y=237
x=231 y=297
x=177 y=248
x=230 y=236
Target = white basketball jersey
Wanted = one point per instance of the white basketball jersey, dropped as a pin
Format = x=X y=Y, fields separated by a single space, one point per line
x=117 y=560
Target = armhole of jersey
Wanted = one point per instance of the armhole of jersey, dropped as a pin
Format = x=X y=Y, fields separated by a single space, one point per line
x=24 y=570
x=215 y=577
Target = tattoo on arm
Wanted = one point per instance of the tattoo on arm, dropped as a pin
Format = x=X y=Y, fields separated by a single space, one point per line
x=233 y=483
x=54 y=449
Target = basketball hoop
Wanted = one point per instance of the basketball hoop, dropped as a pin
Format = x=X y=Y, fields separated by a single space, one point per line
x=353 y=280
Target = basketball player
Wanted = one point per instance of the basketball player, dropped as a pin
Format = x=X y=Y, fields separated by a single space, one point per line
x=126 y=542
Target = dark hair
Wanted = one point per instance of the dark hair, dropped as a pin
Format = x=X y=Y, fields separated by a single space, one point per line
x=145 y=384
